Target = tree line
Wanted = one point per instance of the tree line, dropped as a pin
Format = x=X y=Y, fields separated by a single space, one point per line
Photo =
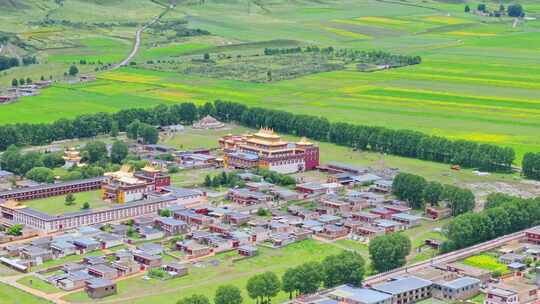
x=418 y=192
x=503 y=215
x=405 y=143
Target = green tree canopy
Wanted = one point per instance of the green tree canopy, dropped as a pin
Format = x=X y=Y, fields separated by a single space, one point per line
x=344 y=268
x=119 y=151
x=389 y=251
x=40 y=175
x=194 y=299
x=228 y=294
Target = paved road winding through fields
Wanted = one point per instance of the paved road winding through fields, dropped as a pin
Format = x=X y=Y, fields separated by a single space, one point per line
x=138 y=35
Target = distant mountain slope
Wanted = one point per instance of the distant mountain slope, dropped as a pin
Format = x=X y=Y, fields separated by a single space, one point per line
x=13 y=4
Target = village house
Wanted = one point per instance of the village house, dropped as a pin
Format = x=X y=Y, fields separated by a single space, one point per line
x=353 y=295
x=107 y=240
x=171 y=226
x=247 y=250
x=149 y=233
x=457 y=289
x=126 y=267
x=151 y=248
x=406 y=290
x=248 y=197
x=103 y=271
x=61 y=248
x=74 y=280
x=366 y=217
x=369 y=231
x=333 y=232
x=100 y=288
x=35 y=255
x=407 y=220
x=383 y=186
x=146 y=260
x=176 y=270
x=438 y=213
x=281 y=239
x=236 y=218
x=193 y=249
x=383 y=212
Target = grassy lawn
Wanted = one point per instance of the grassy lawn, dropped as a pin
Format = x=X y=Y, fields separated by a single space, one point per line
x=206 y=279
x=56 y=205
x=12 y=295
x=487 y=262
x=36 y=283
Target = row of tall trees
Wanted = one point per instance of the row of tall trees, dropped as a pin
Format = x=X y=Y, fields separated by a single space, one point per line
x=418 y=192
x=506 y=216
x=397 y=142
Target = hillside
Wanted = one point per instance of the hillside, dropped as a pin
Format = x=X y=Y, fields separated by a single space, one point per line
x=478 y=80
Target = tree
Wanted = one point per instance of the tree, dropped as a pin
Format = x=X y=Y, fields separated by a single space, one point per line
x=389 y=251
x=432 y=193
x=410 y=188
x=255 y=288
x=165 y=212
x=52 y=160
x=344 y=268
x=28 y=80
x=309 y=277
x=119 y=151
x=149 y=134
x=515 y=10
x=501 y=8
x=459 y=200
x=73 y=70
x=114 y=129
x=97 y=151
x=133 y=129
x=207 y=181
x=467 y=9
x=41 y=175
x=228 y=294
x=15 y=230
x=263 y=287
x=290 y=281
x=194 y=299
x=70 y=199
x=86 y=206
x=206 y=56
x=481 y=7
x=14 y=82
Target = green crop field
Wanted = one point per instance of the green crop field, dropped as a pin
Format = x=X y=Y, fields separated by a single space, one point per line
x=479 y=80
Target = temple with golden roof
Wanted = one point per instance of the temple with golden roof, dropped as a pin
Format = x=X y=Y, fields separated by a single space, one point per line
x=266 y=149
x=72 y=157
x=125 y=185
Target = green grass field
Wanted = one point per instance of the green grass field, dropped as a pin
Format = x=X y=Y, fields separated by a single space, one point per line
x=36 y=283
x=487 y=262
x=205 y=280
x=56 y=205
x=12 y=295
